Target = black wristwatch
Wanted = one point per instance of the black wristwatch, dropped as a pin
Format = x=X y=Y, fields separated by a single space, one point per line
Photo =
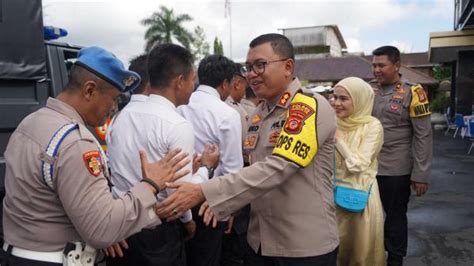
x=210 y=171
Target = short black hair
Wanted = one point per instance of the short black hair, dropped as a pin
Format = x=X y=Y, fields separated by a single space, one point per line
x=166 y=62
x=280 y=43
x=215 y=69
x=78 y=75
x=139 y=65
x=391 y=52
x=249 y=94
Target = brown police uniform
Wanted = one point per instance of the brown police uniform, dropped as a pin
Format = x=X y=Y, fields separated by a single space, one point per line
x=79 y=206
x=406 y=155
x=242 y=112
x=292 y=207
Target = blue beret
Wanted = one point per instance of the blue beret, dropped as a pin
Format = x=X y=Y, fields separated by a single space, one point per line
x=108 y=67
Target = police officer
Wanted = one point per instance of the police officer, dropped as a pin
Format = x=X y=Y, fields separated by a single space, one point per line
x=58 y=208
x=405 y=158
x=289 y=182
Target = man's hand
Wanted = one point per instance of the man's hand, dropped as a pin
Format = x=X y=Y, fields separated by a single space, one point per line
x=196 y=162
x=207 y=215
x=190 y=228
x=210 y=155
x=185 y=197
x=116 y=249
x=168 y=169
x=419 y=188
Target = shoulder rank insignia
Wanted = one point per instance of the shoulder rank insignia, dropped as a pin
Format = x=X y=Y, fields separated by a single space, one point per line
x=284 y=98
x=93 y=162
x=419 y=105
x=298 y=141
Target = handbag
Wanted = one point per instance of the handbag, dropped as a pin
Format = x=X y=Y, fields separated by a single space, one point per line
x=350 y=199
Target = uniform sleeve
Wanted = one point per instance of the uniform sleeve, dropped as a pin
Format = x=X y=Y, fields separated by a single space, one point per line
x=229 y=193
x=230 y=149
x=422 y=144
x=99 y=219
x=359 y=160
x=183 y=138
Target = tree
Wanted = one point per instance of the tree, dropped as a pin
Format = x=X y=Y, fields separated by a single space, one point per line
x=218 y=48
x=201 y=47
x=442 y=72
x=165 y=26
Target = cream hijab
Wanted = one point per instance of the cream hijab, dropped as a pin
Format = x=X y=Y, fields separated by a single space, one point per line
x=363 y=101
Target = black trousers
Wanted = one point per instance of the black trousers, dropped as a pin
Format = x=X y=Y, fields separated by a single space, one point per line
x=163 y=245
x=205 y=248
x=328 y=259
x=395 y=194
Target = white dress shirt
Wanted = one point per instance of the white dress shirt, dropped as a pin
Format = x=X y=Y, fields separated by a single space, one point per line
x=213 y=121
x=154 y=126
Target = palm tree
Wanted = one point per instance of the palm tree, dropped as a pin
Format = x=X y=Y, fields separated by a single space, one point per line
x=164 y=26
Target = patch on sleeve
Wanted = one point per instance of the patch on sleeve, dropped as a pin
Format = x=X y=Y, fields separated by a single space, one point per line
x=419 y=105
x=297 y=141
x=93 y=162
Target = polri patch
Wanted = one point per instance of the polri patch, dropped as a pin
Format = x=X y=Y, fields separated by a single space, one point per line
x=298 y=113
x=93 y=163
x=273 y=137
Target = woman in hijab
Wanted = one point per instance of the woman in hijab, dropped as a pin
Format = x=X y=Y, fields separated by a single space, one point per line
x=359 y=138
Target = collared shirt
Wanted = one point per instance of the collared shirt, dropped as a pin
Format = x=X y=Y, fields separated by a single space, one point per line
x=154 y=126
x=408 y=142
x=292 y=208
x=215 y=122
x=80 y=207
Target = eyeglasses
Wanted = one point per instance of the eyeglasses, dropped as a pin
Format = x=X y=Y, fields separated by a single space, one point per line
x=257 y=67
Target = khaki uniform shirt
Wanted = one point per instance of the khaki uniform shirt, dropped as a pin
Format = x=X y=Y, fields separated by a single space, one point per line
x=408 y=141
x=248 y=106
x=80 y=207
x=242 y=112
x=292 y=208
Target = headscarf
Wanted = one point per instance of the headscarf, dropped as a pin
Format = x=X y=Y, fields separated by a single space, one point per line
x=362 y=96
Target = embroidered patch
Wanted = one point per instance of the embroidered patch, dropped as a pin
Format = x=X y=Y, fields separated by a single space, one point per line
x=299 y=112
x=421 y=94
x=284 y=98
x=250 y=141
x=93 y=162
x=419 y=105
x=256 y=119
x=398 y=96
x=273 y=138
x=394 y=107
x=278 y=124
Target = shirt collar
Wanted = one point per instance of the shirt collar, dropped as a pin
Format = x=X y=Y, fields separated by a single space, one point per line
x=209 y=90
x=65 y=109
x=162 y=101
x=138 y=98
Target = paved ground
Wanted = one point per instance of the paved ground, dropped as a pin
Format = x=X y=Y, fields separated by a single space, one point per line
x=441 y=223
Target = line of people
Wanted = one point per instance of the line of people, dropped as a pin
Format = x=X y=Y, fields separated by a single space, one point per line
x=297 y=147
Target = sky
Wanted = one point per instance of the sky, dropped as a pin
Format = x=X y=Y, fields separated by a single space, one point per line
x=364 y=24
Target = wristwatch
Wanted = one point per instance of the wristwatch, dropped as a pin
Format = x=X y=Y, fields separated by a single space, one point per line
x=210 y=171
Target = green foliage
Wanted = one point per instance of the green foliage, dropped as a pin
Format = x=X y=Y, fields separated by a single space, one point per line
x=442 y=72
x=165 y=26
x=218 y=48
x=201 y=47
x=440 y=102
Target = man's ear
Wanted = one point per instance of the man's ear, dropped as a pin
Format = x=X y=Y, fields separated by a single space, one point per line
x=289 y=67
x=89 y=88
x=397 y=65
